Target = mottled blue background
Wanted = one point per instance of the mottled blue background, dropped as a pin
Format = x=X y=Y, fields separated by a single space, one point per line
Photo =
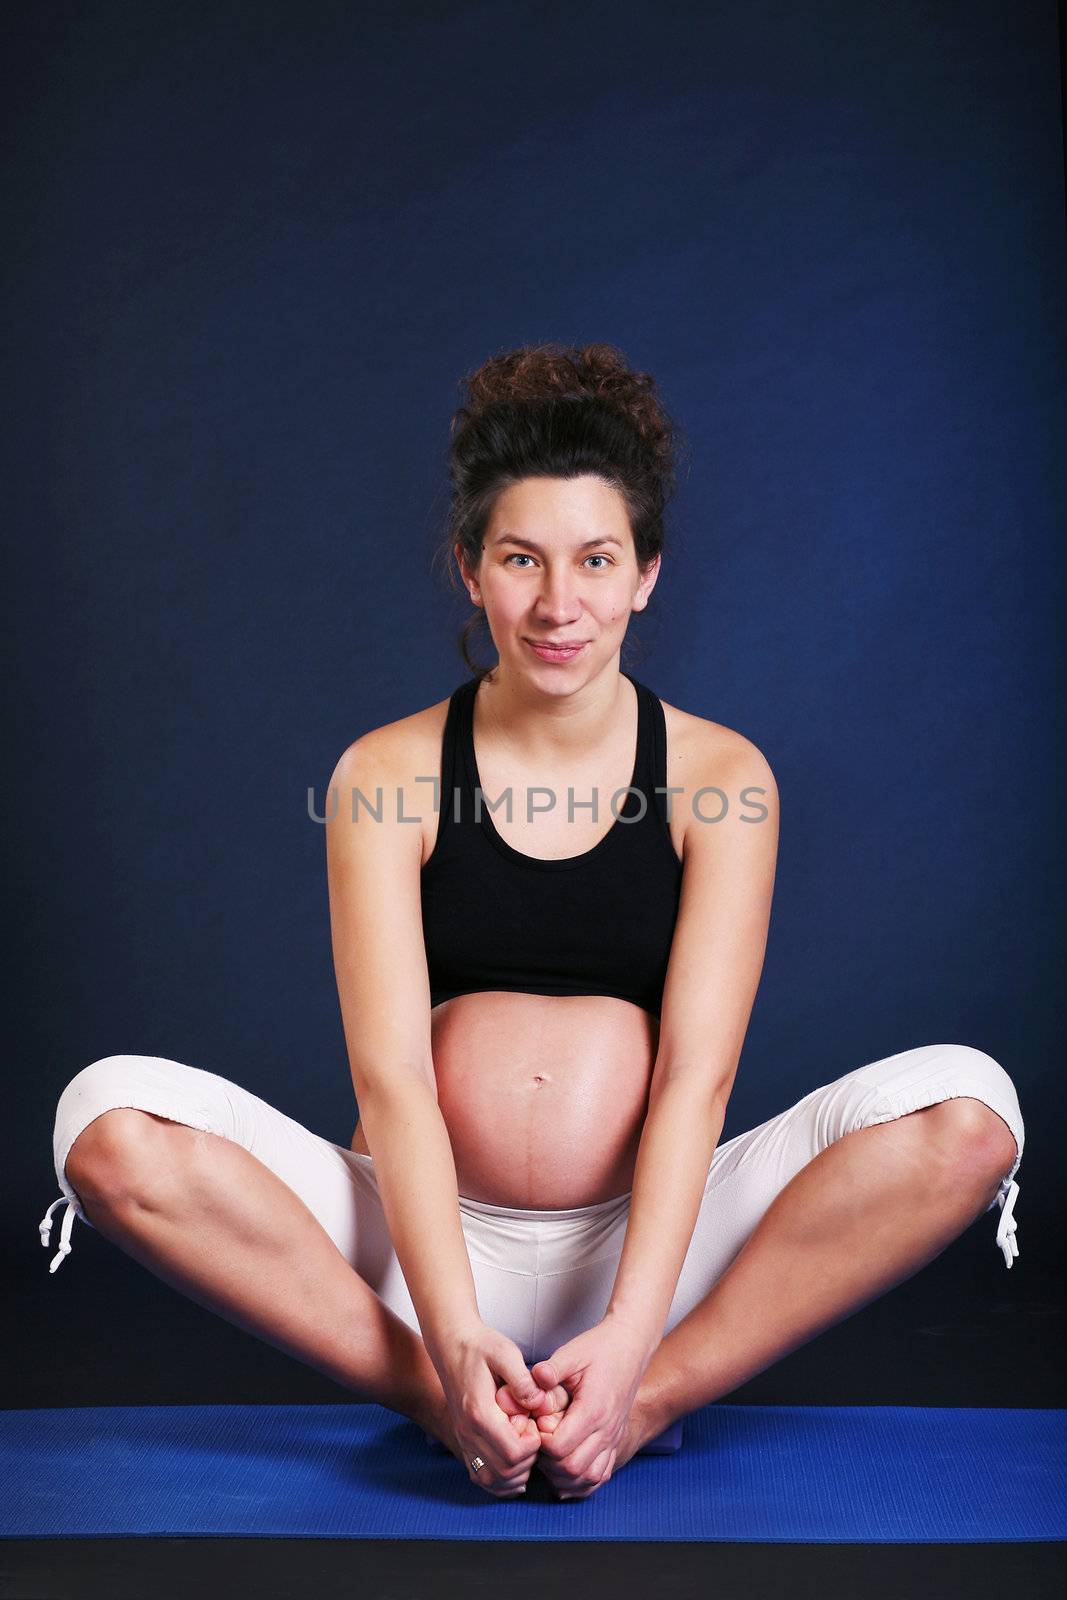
x=252 y=248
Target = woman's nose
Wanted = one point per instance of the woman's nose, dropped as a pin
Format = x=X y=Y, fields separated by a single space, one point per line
x=558 y=599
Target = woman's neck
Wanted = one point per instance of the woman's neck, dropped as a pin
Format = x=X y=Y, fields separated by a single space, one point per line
x=549 y=728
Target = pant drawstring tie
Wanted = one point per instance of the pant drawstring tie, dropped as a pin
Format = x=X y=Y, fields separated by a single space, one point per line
x=1007 y=1228
x=64 y=1232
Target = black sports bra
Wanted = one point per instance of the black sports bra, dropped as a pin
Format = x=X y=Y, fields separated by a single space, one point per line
x=596 y=923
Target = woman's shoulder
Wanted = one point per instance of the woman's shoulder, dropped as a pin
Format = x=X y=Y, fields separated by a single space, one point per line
x=404 y=744
x=699 y=750
x=404 y=756
x=705 y=755
x=697 y=745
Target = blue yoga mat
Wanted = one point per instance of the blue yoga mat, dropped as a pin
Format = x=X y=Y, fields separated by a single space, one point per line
x=808 y=1474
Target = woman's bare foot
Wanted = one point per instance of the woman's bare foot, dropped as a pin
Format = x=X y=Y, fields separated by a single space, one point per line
x=545 y=1419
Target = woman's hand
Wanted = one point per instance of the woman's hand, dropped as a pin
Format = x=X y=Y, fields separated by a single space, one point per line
x=477 y=1360
x=545 y=1416
x=601 y=1369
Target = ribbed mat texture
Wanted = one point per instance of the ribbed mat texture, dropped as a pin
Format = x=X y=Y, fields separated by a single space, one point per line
x=807 y=1474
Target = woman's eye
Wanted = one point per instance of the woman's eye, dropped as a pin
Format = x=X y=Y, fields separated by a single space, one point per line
x=518 y=555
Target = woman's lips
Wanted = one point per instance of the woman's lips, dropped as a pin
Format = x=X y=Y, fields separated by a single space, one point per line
x=549 y=653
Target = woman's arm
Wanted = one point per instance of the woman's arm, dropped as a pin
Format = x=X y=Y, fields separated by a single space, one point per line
x=373 y=866
x=715 y=964
x=383 y=985
x=712 y=976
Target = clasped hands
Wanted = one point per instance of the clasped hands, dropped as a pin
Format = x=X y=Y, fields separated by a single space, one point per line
x=577 y=1408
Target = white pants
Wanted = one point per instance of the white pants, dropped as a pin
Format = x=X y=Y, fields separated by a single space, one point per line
x=541 y=1276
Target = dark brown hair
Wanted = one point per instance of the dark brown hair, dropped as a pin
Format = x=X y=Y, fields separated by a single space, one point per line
x=555 y=411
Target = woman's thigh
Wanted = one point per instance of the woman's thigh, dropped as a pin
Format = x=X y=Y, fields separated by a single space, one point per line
x=326 y=1176
x=749 y=1171
x=338 y=1185
x=540 y=1277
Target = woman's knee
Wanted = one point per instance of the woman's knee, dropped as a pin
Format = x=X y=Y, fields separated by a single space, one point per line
x=981 y=1078
x=108 y=1150
x=974 y=1140
x=973 y=1098
x=106 y=1117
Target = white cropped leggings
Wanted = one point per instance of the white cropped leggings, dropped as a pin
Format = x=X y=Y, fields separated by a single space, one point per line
x=541 y=1276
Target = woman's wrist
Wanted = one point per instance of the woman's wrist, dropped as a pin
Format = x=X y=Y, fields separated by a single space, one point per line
x=646 y=1336
x=448 y=1331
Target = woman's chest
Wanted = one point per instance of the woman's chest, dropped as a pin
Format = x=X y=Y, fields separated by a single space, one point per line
x=601 y=925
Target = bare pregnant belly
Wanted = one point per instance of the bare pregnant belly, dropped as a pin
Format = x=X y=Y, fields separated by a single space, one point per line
x=544 y=1096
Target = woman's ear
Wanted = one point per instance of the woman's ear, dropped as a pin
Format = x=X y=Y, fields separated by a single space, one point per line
x=470 y=581
x=646 y=585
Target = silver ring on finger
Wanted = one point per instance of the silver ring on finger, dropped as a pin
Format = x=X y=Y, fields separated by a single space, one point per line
x=476 y=1464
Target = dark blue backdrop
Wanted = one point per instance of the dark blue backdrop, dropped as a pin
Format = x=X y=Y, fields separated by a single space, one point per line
x=254 y=248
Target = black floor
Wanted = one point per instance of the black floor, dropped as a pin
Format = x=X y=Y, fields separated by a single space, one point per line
x=102 y=1331
x=269 y=1569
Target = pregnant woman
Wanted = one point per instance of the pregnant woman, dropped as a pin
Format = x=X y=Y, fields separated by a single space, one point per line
x=536 y=1246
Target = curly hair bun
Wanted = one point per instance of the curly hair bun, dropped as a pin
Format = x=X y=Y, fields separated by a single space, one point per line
x=556 y=371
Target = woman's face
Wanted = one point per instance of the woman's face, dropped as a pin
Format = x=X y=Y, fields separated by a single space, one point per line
x=559 y=566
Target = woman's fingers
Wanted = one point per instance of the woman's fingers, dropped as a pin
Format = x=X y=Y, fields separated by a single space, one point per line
x=501 y=1487
x=508 y=1452
x=599 y=1473
x=508 y=1403
x=509 y=1447
x=547 y=1373
x=514 y=1371
x=555 y=1400
x=500 y=1399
